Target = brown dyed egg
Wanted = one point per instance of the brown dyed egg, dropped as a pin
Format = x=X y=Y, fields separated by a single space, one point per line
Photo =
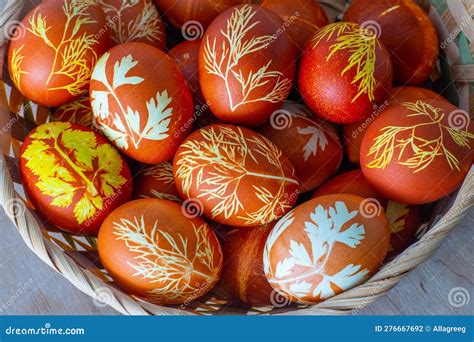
x=246 y=70
x=186 y=55
x=301 y=18
x=311 y=145
x=417 y=152
x=134 y=21
x=73 y=176
x=353 y=133
x=406 y=30
x=403 y=219
x=51 y=57
x=324 y=247
x=242 y=275
x=156 y=181
x=79 y=112
x=197 y=12
x=141 y=101
x=237 y=176
x=344 y=72
x=155 y=252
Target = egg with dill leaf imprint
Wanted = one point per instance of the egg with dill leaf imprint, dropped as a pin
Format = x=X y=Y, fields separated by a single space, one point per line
x=404 y=220
x=156 y=181
x=418 y=152
x=312 y=145
x=406 y=30
x=155 y=252
x=324 y=247
x=344 y=72
x=242 y=276
x=50 y=59
x=239 y=177
x=301 y=18
x=73 y=176
x=134 y=21
x=79 y=112
x=246 y=70
x=353 y=133
x=141 y=102
x=197 y=13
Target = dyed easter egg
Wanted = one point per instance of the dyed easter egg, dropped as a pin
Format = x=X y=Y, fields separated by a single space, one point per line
x=134 y=21
x=406 y=30
x=324 y=247
x=353 y=133
x=156 y=181
x=79 y=112
x=52 y=54
x=301 y=18
x=246 y=70
x=196 y=13
x=311 y=145
x=73 y=176
x=344 y=72
x=403 y=219
x=239 y=177
x=154 y=252
x=417 y=152
x=140 y=107
x=242 y=275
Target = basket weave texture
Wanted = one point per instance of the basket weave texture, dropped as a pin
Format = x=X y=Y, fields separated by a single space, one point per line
x=76 y=257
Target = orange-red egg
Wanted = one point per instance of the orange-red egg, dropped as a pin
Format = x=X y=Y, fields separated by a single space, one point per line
x=312 y=145
x=246 y=69
x=404 y=220
x=141 y=101
x=199 y=13
x=156 y=181
x=134 y=21
x=155 y=252
x=324 y=247
x=53 y=51
x=406 y=30
x=344 y=72
x=79 y=112
x=353 y=133
x=242 y=275
x=417 y=152
x=301 y=18
x=73 y=176
x=237 y=177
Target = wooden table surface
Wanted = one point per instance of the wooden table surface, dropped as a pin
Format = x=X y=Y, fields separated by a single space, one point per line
x=30 y=287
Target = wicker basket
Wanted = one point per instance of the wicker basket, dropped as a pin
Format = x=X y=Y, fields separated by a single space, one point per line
x=76 y=257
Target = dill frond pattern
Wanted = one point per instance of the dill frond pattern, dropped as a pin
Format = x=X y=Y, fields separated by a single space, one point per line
x=78 y=111
x=224 y=154
x=412 y=150
x=168 y=259
x=74 y=53
x=16 y=61
x=223 y=60
x=360 y=43
x=144 y=27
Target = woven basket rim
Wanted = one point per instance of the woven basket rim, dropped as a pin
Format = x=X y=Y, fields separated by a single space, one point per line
x=349 y=301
